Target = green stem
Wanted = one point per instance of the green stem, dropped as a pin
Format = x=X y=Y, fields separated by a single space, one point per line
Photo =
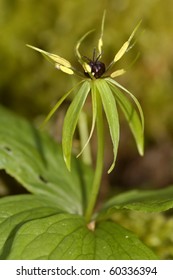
x=99 y=160
x=83 y=131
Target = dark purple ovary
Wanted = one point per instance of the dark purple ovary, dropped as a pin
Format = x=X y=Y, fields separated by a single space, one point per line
x=97 y=69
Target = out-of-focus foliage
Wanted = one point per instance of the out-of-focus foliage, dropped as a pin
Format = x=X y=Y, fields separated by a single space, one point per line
x=154 y=229
x=30 y=85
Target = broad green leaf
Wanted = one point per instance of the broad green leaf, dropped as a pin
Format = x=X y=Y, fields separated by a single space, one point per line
x=30 y=230
x=147 y=201
x=110 y=109
x=70 y=121
x=17 y=210
x=132 y=118
x=35 y=160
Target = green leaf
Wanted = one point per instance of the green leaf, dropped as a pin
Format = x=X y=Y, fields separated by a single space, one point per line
x=110 y=109
x=132 y=118
x=17 y=210
x=35 y=160
x=70 y=121
x=147 y=201
x=30 y=230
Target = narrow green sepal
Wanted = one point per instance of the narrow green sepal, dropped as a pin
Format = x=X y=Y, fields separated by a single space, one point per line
x=70 y=121
x=110 y=108
x=134 y=118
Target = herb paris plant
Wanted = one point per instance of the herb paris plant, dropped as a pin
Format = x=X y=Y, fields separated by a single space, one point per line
x=53 y=213
x=106 y=93
x=58 y=211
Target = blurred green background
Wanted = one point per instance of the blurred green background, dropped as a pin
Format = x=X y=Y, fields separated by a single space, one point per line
x=30 y=86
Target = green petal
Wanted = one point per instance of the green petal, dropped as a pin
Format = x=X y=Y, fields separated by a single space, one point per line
x=79 y=57
x=53 y=110
x=71 y=119
x=100 y=42
x=132 y=117
x=110 y=109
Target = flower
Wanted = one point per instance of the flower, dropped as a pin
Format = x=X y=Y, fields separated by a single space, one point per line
x=106 y=93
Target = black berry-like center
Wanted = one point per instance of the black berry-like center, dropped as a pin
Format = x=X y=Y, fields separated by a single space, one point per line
x=97 y=67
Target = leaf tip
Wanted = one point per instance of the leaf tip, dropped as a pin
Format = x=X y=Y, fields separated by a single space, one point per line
x=29 y=46
x=111 y=168
x=141 y=152
x=67 y=163
x=140 y=147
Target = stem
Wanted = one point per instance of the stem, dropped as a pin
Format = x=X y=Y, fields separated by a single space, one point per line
x=99 y=161
x=83 y=131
